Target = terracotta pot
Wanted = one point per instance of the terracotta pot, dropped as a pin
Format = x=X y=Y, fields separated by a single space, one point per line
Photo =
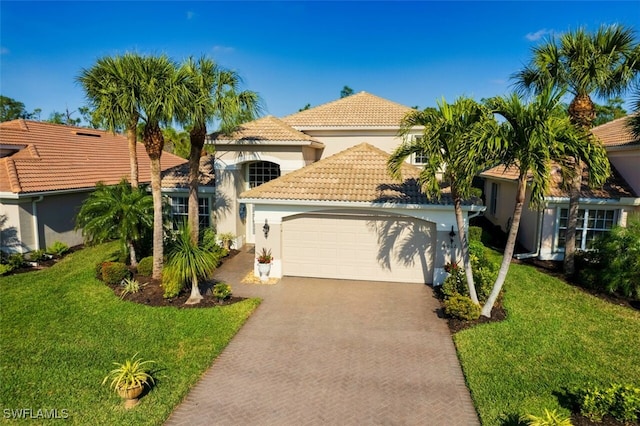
x=130 y=395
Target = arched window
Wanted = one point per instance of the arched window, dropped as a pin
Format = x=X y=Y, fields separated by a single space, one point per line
x=262 y=172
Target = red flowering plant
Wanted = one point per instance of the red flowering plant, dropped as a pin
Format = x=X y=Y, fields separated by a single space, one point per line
x=451 y=267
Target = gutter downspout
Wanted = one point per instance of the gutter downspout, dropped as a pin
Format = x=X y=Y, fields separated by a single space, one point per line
x=538 y=243
x=34 y=215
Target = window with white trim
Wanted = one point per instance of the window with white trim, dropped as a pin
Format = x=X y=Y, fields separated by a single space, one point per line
x=180 y=211
x=262 y=172
x=592 y=222
x=418 y=157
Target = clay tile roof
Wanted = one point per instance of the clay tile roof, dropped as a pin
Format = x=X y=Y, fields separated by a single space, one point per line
x=178 y=176
x=615 y=187
x=615 y=133
x=53 y=157
x=362 y=109
x=267 y=128
x=355 y=174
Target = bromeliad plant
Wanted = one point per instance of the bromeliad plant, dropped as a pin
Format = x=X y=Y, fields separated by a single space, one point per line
x=265 y=256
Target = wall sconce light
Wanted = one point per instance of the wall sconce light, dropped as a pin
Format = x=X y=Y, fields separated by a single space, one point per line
x=265 y=228
x=452 y=235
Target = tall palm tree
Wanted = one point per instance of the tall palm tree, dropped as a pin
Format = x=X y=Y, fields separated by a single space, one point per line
x=162 y=88
x=116 y=212
x=214 y=95
x=582 y=63
x=532 y=136
x=111 y=87
x=449 y=139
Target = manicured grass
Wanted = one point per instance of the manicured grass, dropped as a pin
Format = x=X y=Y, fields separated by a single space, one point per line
x=61 y=329
x=555 y=338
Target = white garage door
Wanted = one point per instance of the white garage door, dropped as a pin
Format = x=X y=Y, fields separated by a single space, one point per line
x=358 y=247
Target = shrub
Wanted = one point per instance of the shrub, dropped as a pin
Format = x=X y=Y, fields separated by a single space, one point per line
x=114 y=272
x=475 y=233
x=484 y=270
x=622 y=402
x=171 y=282
x=145 y=266
x=614 y=264
x=37 y=255
x=221 y=291
x=550 y=418
x=15 y=260
x=461 y=307
x=58 y=248
x=5 y=269
x=455 y=283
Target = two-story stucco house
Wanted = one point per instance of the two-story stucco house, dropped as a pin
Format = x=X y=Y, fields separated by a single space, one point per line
x=542 y=232
x=313 y=188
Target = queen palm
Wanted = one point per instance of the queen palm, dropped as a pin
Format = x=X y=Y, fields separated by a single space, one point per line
x=116 y=212
x=450 y=136
x=583 y=64
x=111 y=87
x=161 y=89
x=532 y=136
x=213 y=96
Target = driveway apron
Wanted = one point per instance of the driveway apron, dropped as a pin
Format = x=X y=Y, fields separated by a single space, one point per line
x=320 y=351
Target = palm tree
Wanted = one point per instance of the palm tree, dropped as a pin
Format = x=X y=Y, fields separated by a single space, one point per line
x=449 y=140
x=583 y=64
x=533 y=136
x=213 y=95
x=189 y=261
x=162 y=88
x=111 y=87
x=116 y=212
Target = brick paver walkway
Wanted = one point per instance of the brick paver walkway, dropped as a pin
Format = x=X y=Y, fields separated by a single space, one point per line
x=320 y=352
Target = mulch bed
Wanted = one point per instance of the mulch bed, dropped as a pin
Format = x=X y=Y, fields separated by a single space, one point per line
x=579 y=420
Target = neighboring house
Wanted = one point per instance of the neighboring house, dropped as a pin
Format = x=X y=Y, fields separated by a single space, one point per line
x=542 y=232
x=313 y=188
x=47 y=171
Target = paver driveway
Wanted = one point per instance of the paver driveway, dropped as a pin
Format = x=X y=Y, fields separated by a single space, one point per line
x=334 y=352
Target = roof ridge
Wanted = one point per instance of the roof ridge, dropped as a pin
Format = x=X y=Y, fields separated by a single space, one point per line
x=14 y=180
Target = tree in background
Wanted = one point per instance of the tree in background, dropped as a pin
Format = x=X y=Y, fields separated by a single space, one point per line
x=346 y=91
x=533 y=136
x=306 y=107
x=11 y=109
x=65 y=118
x=213 y=95
x=455 y=140
x=177 y=142
x=609 y=112
x=118 y=212
x=582 y=63
x=112 y=89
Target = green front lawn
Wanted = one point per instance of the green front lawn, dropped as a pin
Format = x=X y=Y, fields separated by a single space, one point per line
x=61 y=329
x=555 y=337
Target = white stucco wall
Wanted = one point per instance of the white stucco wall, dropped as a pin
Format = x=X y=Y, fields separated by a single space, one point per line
x=627 y=161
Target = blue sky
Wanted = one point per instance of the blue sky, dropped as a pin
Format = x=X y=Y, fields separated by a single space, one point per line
x=293 y=53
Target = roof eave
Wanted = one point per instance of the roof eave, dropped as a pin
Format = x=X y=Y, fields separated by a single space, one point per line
x=322 y=203
x=262 y=142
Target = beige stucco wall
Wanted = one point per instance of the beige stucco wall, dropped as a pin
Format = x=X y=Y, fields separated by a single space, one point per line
x=14 y=237
x=627 y=162
x=336 y=141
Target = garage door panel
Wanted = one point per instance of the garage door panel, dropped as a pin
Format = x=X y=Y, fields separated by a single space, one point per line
x=358 y=247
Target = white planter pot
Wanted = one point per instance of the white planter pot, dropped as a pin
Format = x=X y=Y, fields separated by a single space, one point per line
x=264 y=269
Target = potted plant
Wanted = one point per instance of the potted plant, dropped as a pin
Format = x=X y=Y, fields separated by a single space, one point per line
x=227 y=239
x=129 y=379
x=264 y=264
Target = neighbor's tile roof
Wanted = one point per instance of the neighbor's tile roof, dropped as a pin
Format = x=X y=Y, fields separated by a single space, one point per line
x=615 y=133
x=55 y=157
x=355 y=174
x=615 y=187
x=178 y=176
x=360 y=110
x=266 y=129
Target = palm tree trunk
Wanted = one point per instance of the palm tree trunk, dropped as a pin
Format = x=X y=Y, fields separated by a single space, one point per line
x=196 y=137
x=464 y=245
x=153 y=143
x=509 y=248
x=195 y=296
x=132 y=254
x=572 y=222
x=133 y=156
